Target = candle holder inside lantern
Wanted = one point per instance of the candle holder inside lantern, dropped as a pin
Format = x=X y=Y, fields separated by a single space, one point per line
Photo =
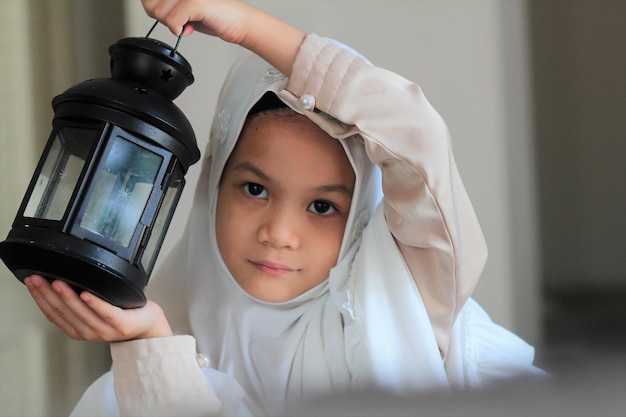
x=103 y=194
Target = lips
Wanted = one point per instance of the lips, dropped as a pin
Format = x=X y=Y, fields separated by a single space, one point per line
x=272 y=268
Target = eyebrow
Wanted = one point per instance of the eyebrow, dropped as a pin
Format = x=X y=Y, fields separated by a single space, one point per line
x=328 y=188
x=247 y=166
x=335 y=188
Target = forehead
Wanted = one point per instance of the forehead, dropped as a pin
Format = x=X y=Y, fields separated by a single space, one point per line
x=285 y=139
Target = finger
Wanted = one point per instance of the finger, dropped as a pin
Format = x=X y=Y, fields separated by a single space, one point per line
x=109 y=314
x=62 y=307
x=165 y=11
x=50 y=304
x=189 y=28
x=123 y=324
x=158 y=8
x=82 y=317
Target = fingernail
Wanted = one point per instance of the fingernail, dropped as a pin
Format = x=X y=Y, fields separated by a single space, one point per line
x=28 y=283
x=56 y=286
x=33 y=282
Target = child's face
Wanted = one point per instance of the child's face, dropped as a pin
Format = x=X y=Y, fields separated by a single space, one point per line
x=283 y=203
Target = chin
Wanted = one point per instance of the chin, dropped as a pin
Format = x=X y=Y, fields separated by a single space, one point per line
x=268 y=294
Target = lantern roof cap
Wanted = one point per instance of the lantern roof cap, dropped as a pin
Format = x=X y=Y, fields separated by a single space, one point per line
x=152 y=63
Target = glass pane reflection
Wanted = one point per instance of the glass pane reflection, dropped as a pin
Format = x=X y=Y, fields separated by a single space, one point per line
x=123 y=186
x=166 y=211
x=60 y=173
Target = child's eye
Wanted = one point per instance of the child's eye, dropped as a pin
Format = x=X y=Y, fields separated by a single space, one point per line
x=255 y=190
x=322 y=207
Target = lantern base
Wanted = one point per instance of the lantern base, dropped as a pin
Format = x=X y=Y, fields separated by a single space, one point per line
x=86 y=267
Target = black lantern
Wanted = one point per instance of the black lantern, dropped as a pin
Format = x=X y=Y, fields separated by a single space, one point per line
x=99 y=204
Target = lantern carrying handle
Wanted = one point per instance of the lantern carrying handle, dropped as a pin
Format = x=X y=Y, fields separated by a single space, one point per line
x=177 y=42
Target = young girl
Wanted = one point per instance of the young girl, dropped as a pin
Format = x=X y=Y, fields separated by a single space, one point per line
x=294 y=280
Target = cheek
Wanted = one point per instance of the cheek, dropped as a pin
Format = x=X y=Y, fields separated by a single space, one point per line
x=324 y=258
x=328 y=244
x=224 y=232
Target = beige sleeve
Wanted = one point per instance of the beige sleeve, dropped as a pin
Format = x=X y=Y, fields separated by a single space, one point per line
x=162 y=377
x=426 y=206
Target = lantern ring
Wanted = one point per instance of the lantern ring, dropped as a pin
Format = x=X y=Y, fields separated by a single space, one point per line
x=179 y=36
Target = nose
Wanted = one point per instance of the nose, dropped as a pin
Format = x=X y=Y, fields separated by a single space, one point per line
x=279 y=229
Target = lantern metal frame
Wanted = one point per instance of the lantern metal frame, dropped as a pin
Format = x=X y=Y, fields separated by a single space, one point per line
x=134 y=105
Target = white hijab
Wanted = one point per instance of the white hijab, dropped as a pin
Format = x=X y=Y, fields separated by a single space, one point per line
x=321 y=342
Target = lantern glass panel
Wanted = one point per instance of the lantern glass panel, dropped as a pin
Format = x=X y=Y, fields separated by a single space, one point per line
x=60 y=173
x=122 y=188
x=172 y=194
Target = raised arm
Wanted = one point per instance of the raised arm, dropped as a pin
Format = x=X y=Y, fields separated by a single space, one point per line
x=426 y=206
x=233 y=21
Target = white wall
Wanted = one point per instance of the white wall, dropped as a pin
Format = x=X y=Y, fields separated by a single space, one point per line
x=471 y=60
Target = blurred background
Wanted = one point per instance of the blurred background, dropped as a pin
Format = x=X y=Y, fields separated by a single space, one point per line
x=534 y=93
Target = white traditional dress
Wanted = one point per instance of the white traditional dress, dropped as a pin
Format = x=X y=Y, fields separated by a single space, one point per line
x=395 y=314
